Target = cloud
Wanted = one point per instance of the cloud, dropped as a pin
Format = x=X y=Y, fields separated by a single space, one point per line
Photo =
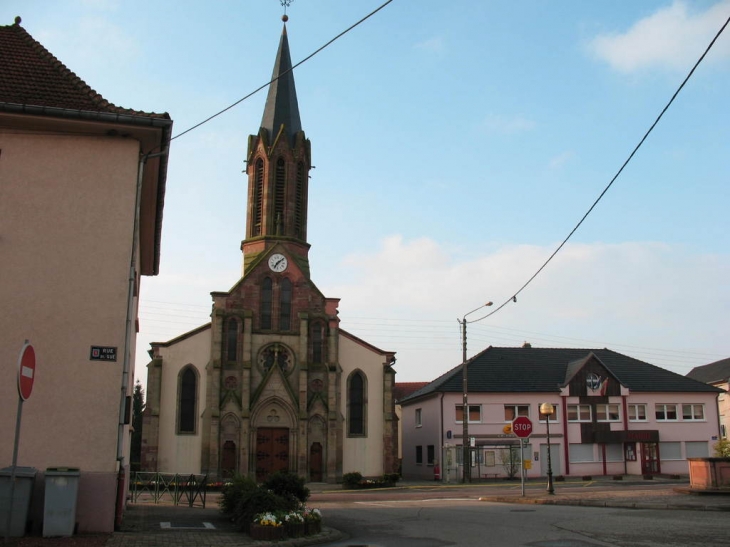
x=654 y=301
x=672 y=38
x=556 y=162
x=432 y=45
x=508 y=125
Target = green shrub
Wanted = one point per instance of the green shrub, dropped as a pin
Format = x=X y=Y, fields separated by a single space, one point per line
x=722 y=448
x=392 y=478
x=233 y=491
x=259 y=500
x=351 y=480
x=287 y=485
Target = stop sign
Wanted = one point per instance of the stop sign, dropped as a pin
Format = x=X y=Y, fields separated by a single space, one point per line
x=26 y=371
x=522 y=427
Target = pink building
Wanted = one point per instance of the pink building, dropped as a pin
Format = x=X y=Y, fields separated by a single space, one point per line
x=613 y=415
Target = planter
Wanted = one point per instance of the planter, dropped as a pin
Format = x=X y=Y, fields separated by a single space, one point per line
x=296 y=529
x=266 y=533
x=313 y=527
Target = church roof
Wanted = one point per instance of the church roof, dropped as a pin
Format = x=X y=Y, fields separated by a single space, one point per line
x=33 y=77
x=719 y=371
x=546 y=370
x=282 y=107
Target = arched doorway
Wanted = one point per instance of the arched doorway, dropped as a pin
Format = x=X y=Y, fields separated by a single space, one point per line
x=228 y=459
x=272 y=451
x=315 y=462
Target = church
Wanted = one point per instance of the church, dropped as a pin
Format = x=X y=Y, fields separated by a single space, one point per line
x=272 y=382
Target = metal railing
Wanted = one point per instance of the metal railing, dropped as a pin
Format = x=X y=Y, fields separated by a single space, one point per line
x=164 y=487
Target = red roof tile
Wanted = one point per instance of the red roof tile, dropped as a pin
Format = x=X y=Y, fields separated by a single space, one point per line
x=404 y=389
x=32 y=76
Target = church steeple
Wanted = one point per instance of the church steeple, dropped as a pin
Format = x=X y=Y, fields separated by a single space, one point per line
x=278 y=164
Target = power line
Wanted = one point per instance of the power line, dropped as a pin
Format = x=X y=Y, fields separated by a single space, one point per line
x=636 y=149
x=239 y=101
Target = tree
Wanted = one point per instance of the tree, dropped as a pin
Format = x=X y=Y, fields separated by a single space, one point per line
x=722 y=449
x=138 y=406
x=510 y=460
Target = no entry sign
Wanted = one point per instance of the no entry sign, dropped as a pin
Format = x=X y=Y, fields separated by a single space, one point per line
x=26 y=371
x=522 y=427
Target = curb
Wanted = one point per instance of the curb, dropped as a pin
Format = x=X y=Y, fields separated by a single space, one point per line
x=618 y=504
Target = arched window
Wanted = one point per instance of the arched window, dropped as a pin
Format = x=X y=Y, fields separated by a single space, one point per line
x=317 y=339
x=280 y=197
x=258 y=197
x=232 y=340
x=187 y=400
x=266 y=303
x=285 y=305
x=299 y=202
x=356 y=404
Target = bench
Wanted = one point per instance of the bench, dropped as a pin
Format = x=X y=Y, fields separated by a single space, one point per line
x=487 y=475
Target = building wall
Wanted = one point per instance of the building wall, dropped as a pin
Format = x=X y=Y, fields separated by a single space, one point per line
x=678 y=439
x=363 y=454
x=67 y=209
x=181 y=453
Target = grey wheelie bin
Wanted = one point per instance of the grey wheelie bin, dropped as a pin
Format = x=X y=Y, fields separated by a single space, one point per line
x=59 y=508
x=24 y=479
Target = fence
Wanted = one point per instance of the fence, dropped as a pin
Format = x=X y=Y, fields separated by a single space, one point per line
x=163 y=487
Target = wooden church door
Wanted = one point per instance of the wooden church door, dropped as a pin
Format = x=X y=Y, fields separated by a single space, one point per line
x=272 y=451
x=228 y=459
x=315 y=462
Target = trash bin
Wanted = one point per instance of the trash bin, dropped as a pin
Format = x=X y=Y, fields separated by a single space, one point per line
x=24 y=479
x=59 y=507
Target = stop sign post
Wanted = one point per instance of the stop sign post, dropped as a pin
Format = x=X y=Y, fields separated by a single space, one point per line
x=522 y=427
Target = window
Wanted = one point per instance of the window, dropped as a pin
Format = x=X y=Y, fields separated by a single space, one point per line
x=579 y=413
x=419 y=455
x=430 y=454
x=266 y=302
x=697 y=449
x=693 y=412
x=279 y=196
x=232 y=340
x=418 y=417
x=665 y=412
x=187 y=399
x=285 y=305
x=475 y=414
x=356 y=404
x=580 y=453
x=553 y=416
x=317 y=331
x=512 y=411
x=670 y=451
x=608 y=412
x=299 y=202
x=258 y=197
x=614 y=452
x=637 y=412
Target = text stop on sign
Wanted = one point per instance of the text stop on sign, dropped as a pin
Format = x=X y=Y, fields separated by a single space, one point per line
x=522 y=426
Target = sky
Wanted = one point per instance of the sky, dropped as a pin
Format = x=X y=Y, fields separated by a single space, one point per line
x=456 y=145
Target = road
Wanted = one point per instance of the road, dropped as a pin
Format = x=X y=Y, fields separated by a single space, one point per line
x=466 y=523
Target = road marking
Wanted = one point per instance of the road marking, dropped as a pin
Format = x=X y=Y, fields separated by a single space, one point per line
x=169 y=526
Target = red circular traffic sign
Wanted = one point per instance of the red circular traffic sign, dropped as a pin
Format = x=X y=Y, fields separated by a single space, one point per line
x=26 y=371
x=522 y=427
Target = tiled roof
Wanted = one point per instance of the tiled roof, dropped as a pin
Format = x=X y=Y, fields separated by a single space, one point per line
x=545 y=370
x=719 y=371
x=32 y=76
x=404 y=389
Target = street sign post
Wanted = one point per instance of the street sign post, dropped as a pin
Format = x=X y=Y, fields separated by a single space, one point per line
x=522 y=427
x=26 y=377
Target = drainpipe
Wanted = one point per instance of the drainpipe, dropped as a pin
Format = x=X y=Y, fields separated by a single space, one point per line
x=128 y=337
x=566 y=450
x=626 y=428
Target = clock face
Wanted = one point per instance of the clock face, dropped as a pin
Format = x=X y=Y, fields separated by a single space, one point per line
x=278 y=262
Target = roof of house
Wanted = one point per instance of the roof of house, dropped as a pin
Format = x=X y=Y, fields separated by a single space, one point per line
x=523 y=370
x=719 y=371
x=401 y=390
x=32 y=76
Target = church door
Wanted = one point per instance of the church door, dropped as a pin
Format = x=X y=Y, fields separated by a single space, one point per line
x=228 y=459
x=272 y=451
x=315 y=462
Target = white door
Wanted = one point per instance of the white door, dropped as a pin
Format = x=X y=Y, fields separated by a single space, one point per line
x=554 y=457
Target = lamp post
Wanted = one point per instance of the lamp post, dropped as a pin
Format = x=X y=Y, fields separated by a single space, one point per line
x=547 y=410
x=465 y=390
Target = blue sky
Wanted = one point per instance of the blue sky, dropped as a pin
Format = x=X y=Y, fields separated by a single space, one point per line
x=456 y=144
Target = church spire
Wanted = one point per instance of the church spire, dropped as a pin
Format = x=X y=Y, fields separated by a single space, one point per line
x=281 y=107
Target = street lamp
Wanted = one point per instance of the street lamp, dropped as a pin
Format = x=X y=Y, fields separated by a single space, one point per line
x=547 y=410
x=465 y=408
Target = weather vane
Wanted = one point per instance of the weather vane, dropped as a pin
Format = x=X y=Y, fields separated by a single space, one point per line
x=285 y=4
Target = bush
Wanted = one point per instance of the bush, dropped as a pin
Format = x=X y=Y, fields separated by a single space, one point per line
x=233 y=491
x=351 y=480
x=287 y=485
x=392 y=478
x=258 y=501
x=722 y=448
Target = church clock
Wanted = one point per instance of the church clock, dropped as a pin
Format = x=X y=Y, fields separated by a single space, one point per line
x=278 y=262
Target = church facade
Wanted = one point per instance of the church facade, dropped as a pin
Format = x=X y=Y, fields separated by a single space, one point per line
x=272 y=382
